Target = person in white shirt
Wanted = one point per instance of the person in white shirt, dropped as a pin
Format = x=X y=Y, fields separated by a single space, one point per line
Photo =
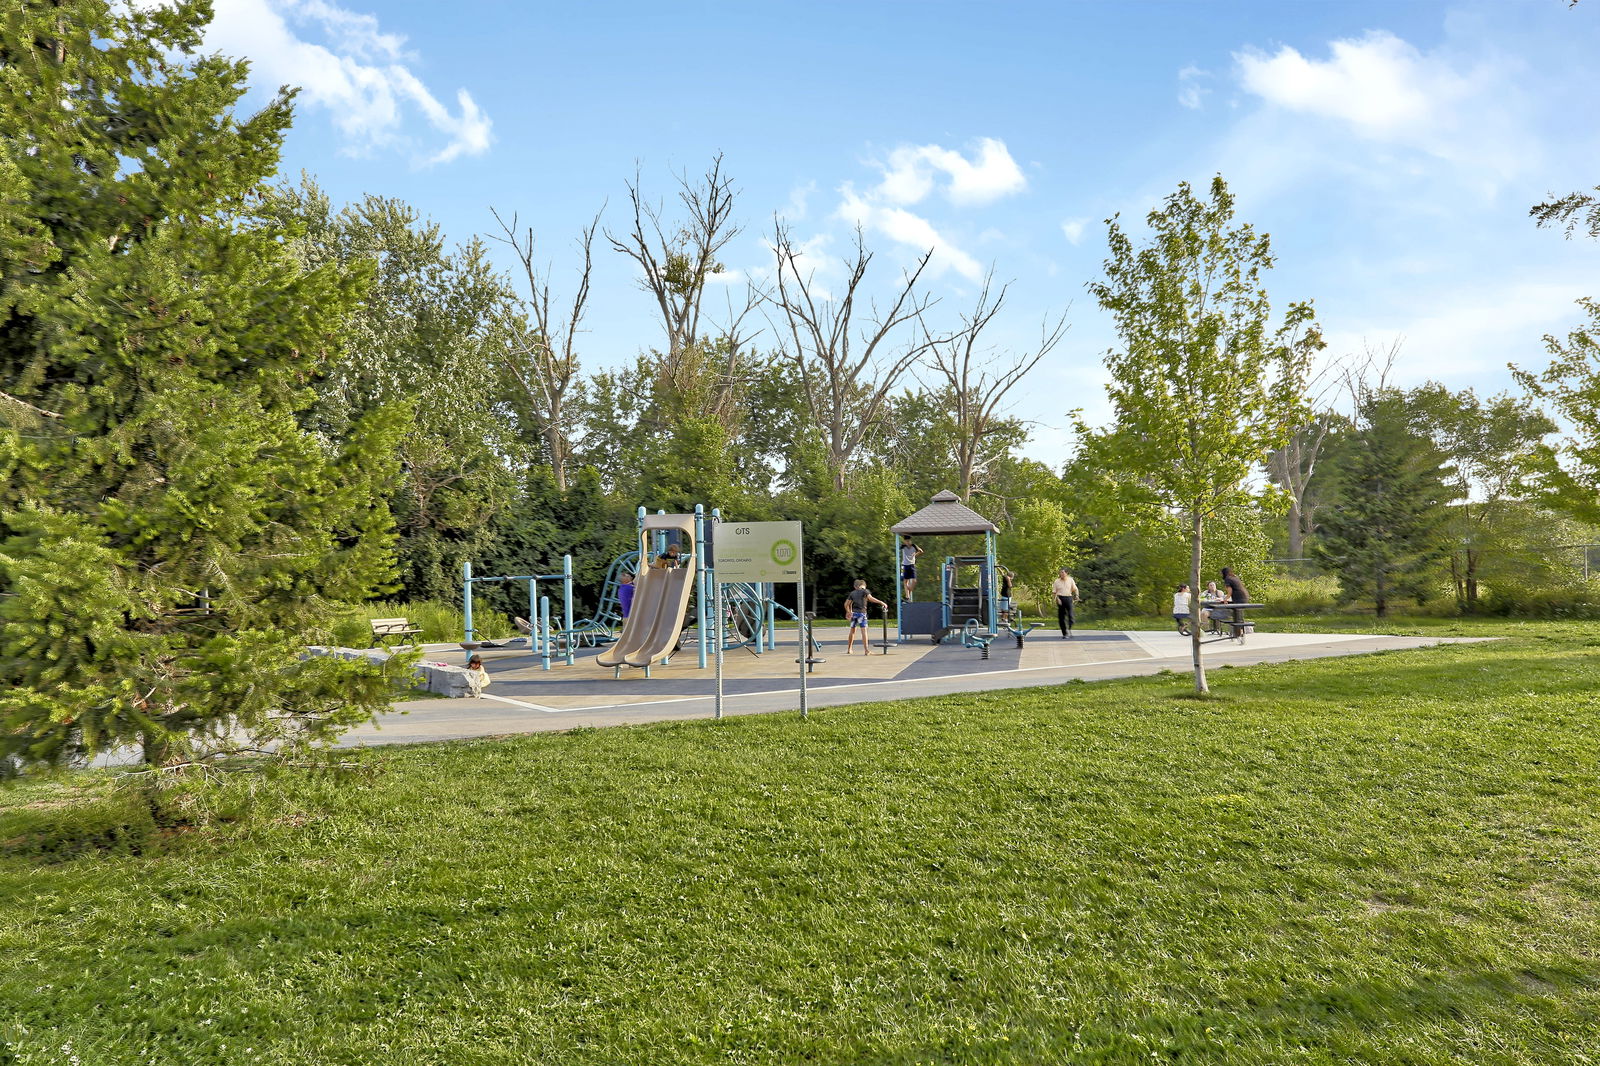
x=1066 y=591
x=908 y=565
x=1208 y=597
x=1180 y=609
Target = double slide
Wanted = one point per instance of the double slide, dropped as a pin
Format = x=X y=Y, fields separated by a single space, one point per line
x=652 y=628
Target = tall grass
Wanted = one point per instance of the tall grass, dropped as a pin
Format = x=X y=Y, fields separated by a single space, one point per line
x=439 y=622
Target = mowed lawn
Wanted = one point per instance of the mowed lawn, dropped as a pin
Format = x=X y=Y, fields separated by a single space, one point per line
x=1387 y=859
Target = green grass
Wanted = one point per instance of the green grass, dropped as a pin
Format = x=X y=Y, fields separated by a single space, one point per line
x=1391 y=859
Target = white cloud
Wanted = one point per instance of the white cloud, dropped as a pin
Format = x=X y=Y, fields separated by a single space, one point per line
x=360 y=75
x=906 y=228
x=1379 y=84
x=911 y=172
x=1379 y=113
x=1073 y=229
x=1191 y=93
x=799 y=201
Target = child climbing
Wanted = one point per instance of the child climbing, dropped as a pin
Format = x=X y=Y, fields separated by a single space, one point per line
x=856 y=602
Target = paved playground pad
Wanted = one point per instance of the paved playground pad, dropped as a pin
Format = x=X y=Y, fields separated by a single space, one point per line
x=526 y=698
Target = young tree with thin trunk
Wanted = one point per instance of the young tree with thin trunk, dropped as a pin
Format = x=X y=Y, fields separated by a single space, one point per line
x=850 y=359
x=1202 y=388
x=977 y=381
x=542 y=362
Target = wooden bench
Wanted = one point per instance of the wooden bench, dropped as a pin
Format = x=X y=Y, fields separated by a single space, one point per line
x=399 y=628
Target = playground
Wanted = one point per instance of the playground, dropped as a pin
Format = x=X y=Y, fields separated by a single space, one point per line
x=658 y=661
x=523 y=697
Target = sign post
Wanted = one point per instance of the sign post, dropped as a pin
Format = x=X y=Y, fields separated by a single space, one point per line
x=759 y=552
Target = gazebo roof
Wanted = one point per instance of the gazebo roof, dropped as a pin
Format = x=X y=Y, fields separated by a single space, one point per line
x=946 y=515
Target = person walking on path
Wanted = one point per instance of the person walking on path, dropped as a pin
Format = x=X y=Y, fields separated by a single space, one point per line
x=1066 y=591
x=856 y=602
x=908 y=565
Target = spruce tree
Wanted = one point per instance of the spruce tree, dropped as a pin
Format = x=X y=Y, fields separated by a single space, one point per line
x=170 y=534
x=1385 y=532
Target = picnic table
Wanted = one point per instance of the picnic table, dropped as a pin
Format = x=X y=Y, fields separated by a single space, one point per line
x=1238 y=625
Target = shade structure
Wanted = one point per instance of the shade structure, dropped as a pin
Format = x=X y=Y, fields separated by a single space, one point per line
x=946 y=515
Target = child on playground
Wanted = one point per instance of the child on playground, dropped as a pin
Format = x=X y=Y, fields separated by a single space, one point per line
x=671 y=556
x=625 y=591
x=477 y=676
x=908 y=565
x=856 y=602
x=1180 y=609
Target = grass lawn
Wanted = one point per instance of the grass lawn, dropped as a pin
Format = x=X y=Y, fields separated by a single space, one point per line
x=1390 y=859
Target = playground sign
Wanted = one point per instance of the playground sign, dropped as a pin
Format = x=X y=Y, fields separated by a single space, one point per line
x=758 y=552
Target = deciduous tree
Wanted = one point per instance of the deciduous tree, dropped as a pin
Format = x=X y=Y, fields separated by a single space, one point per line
x=1202 y=386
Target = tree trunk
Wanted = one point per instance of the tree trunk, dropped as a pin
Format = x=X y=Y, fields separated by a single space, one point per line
x=1380 y=595
x=558 y=455
x=1472 y=580
x=1194 y=596
x=1297 y=533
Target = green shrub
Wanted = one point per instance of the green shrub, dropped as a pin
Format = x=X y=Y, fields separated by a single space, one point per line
x=1299 y=595
x=440 y=622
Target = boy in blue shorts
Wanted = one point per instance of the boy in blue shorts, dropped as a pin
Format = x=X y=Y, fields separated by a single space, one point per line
x=856 y=602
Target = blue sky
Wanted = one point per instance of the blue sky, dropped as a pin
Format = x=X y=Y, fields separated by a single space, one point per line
x=1392 y=150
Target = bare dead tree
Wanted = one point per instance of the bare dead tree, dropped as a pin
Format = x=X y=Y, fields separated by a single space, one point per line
x=703 y=368
x=848 y=368
x=677 y=258
x=1294 y=466
x=544 y=358
x=978 y=379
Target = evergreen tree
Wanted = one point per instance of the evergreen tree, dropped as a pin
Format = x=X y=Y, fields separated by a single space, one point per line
x=1384 y=535
x=170 y=535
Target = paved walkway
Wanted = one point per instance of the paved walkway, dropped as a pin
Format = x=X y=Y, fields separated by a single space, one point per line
x=526 y=698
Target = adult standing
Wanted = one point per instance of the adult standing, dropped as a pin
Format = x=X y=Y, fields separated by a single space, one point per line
x=1236 y=590
x=1066 y=591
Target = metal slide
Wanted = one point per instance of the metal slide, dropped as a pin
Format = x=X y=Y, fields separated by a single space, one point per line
x=653 y=625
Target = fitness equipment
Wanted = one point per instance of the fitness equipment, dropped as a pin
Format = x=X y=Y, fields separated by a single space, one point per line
x=543 y=642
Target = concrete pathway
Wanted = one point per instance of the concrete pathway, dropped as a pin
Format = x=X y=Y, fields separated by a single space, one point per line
x=525 y=698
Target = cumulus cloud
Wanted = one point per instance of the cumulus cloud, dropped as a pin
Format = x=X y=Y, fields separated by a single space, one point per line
x=359 y=74
x=911 y=173
x=1379 y=84
x=906 y=228
x=1073 y=229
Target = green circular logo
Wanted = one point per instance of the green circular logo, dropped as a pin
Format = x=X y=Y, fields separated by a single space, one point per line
x=784 y=552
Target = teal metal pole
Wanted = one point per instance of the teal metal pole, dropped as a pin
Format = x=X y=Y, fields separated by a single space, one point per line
x=466 y=600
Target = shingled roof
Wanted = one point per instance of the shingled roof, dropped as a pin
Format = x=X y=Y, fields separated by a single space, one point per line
x=946 y=515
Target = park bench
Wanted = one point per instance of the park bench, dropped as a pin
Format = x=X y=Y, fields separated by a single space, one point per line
x=385 y=628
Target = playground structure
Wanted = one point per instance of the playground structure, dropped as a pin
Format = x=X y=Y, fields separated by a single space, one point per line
x=750 y=611
x=542 y=640
x=968 y=606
